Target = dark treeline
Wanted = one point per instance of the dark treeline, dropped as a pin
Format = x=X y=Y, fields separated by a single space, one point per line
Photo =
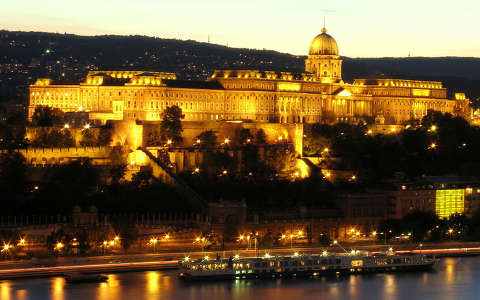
x=438 y=145
x=423 y=226
x=70 y=57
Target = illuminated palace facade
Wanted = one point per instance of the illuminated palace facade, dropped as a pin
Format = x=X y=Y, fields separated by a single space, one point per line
x=318 y=95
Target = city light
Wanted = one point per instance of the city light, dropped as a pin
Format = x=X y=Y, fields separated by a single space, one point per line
x=433 y=146
x=226 y=141
x=296 y=254
x=6 y=247
x=66 y=126
x=206 y=257
x=169 y=142
x=22 y=242
x=116 y=238
x=196 y=171
x=59 y=246
x=198 y=141
x=87 y=126
x=326 y=150
x=267 y=255
x=280 y=138
x=433 y=128
x=186 y=259
x=112 y=243
x=324 y=253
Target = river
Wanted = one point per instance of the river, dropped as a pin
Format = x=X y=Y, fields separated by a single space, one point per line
x=452 y=278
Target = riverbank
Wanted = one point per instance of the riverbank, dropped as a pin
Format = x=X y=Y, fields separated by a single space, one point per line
x=59 y=266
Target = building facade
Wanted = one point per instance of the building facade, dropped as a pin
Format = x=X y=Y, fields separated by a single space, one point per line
x=318 y=95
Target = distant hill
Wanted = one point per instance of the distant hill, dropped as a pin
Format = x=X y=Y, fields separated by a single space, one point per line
x=25 y=56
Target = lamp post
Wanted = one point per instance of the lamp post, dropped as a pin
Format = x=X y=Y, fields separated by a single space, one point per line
x=154 y=242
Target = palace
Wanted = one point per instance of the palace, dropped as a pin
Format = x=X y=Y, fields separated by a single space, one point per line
x=318 y=95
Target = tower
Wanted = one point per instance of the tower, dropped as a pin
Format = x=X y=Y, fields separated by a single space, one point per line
x=323 y=60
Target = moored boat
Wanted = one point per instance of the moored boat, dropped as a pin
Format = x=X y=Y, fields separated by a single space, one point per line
x=85 y=278
x=302 y=265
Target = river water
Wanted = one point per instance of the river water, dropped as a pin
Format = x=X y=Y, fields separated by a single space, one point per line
x=452 y=278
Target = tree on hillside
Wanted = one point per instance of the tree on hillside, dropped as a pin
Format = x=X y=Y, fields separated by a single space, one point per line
x=75 y=181
x=13 y=180
x=119 y=162
x=104 y=137
x=88 y=138
x=171 y=125
x=12 y=132
x=260 y=137
x=45 y=116
x=243 y=136
x=53 y=137
x=143 y=178
x=208 y=139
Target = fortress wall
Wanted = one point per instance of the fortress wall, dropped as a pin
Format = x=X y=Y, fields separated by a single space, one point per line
x=52 y=156
x=292 y=133
x=32 y=132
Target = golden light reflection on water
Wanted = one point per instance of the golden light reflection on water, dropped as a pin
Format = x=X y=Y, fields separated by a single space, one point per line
x=111 y=289
x=353 y=285
x=5 y=290
x=22 y=295
x=58 y=288
x=152 y=281
x=450 y=272
x=390 y=288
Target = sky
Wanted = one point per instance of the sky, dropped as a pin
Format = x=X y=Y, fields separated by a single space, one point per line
x=362 y=28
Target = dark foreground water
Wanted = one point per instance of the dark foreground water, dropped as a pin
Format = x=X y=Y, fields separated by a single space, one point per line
x=453 y=278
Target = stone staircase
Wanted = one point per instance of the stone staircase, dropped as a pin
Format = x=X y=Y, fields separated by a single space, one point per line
x=165 y=174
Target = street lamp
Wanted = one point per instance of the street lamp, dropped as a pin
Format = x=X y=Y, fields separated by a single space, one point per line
x=335 y=242
x=154 y=242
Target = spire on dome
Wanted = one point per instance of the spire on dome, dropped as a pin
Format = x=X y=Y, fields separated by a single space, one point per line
x=324 y=29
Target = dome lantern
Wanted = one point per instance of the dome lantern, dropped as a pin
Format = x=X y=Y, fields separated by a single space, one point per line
x=323 y=44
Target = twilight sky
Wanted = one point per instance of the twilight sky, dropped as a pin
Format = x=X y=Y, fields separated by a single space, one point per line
x=362 y=28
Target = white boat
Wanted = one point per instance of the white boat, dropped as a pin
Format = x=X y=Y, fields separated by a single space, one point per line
x=302 y=265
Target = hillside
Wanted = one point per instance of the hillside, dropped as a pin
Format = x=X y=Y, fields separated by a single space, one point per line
x=25 y=56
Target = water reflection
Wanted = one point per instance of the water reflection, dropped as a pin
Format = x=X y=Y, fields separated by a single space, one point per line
x=22 y=295
x=109 y=289
x=152 y=281
x=58 y=287
x=390 y=287
x=452 y=278
x=5 y=290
